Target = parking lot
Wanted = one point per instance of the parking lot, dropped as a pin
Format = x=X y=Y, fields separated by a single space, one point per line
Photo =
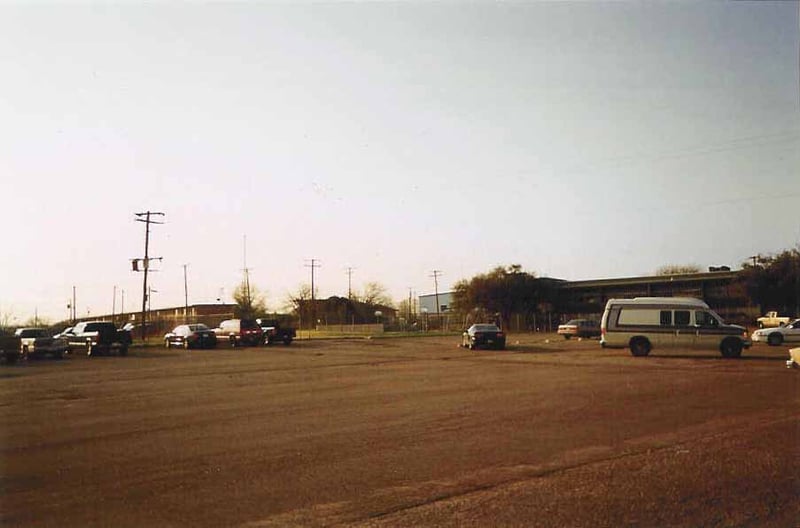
x=402 y=432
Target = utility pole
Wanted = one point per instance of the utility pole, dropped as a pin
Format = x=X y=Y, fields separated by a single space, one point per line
x=349 y=272
x=409 y=306
x=314 y=263
x=114 y=306
x=435 y=274
x=145 y=218
x=122 y=308
x=246 y=284
x=185 y=296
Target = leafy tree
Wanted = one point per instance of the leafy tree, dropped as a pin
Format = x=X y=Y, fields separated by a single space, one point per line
x=678 y=269
x=503 y=291
x=250 y=303
x=773 y=282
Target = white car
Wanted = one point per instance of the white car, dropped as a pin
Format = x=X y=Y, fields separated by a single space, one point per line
x=777 y=336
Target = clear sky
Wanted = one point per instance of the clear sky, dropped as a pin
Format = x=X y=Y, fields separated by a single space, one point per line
x=580 y=140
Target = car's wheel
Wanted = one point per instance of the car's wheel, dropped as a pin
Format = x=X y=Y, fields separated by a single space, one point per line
x=232 y=342
x=166 y=343
x=471 y=346
x=12 y=358
x=90 y=350
x=731 y=348
x=58 y=355
x=775 y=339
x=640 y=346
x=186 y=344
x=287 y=341
x=566 y=336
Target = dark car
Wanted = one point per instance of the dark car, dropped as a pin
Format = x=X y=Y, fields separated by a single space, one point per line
x=486 y=335
x=579 y=328
x=196 y=335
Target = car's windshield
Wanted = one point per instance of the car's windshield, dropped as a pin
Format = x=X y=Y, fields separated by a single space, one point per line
x=485 y=328
x=196 y=327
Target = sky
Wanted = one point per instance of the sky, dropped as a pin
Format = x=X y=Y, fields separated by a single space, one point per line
x=580 y=140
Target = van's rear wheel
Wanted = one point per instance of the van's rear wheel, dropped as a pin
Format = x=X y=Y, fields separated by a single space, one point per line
x=232 y=341
x=774 y=339
x=731 y=348
x=640 y=347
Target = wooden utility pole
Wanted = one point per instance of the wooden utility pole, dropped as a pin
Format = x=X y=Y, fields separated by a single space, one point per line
x=145 y=218
x=314 y=263
x=185 y=296
x=349 y=272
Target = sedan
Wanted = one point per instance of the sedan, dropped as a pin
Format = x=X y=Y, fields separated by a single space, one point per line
x=777 y=336
x=579 y=328
x=195 y=335
x=488 y=335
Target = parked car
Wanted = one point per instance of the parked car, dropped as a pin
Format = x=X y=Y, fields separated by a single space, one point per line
x=37 y=342
x=9 y=347
x=196 y=335
x=274 y=332
x=789 y=333
x=240 y=332
x=579 y=328
x=97 y=337
x=488 y=335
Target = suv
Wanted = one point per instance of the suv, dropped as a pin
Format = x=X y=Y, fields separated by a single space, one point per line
x=240 y=332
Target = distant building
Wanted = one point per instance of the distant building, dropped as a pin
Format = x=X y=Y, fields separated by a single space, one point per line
x=427 y=303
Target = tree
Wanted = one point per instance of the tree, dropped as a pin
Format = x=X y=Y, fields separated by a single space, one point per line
x=250 y=303
x=374 y=294
x=298 y=303
x=678 y=269
x=773 y=282
x=503 y=291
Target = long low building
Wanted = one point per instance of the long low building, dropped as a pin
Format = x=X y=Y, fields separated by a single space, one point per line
x=724 y=291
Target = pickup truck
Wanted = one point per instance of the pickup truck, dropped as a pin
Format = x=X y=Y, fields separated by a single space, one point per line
x=9 y=347
x=37 y=342
x=97 y=337
x=274 y=332
x=771 y=320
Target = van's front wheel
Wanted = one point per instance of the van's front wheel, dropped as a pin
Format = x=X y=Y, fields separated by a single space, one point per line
x=640 y=347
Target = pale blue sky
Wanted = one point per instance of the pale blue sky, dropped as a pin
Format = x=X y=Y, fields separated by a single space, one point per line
x=581 y=140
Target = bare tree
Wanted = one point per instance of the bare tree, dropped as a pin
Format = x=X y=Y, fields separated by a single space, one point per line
x=375 y=294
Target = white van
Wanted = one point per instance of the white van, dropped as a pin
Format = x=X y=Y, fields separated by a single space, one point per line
x=646 y=323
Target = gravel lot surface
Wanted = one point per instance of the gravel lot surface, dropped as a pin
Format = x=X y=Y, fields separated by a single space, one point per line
x=402 y=432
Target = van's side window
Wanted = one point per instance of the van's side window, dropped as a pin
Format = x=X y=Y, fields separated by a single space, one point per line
x=682 y=317
x=666 y=317
x=705 y=319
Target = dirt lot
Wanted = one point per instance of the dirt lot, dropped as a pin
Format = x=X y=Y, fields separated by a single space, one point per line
x=402 y=432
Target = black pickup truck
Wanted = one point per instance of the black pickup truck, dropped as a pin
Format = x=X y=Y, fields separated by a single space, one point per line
x=9 y=347
x=274 y=332
x=97 y=337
